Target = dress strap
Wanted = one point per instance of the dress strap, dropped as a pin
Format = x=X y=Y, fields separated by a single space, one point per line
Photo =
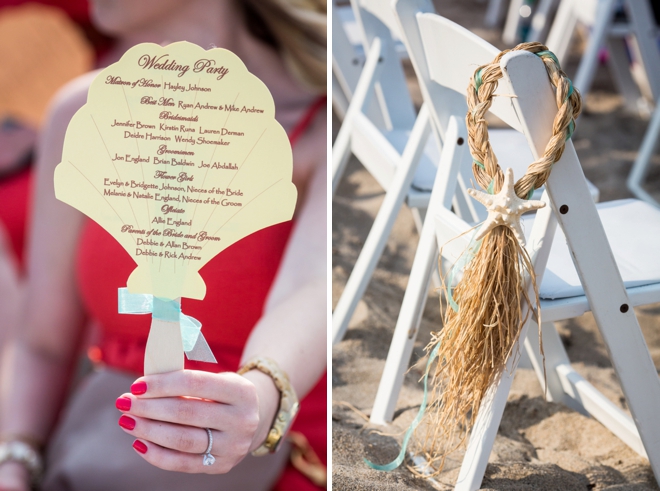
x=307 y=118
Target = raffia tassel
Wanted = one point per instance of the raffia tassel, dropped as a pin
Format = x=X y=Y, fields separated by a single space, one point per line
x=477 y=340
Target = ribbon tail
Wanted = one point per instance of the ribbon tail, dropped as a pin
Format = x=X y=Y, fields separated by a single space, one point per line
x=201 y=351
x=420 y=415
x=194 y=343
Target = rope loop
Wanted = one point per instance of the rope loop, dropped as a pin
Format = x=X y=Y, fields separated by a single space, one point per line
x=482 y=87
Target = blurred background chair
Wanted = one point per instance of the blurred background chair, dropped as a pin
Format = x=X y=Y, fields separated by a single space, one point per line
x=629 y=32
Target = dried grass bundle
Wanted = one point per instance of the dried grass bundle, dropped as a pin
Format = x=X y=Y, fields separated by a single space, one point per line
x=478 y=339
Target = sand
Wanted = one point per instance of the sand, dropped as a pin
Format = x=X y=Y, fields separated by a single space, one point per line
x=540 y=445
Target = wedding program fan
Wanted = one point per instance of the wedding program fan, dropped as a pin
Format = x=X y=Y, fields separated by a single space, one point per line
x=177 y=154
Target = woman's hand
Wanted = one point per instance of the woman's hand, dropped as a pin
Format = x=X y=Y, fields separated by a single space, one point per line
x=168 y=413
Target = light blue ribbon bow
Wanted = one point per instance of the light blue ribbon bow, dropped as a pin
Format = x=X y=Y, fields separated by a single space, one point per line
x=194 y=343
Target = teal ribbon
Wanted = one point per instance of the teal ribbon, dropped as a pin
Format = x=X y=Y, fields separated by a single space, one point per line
x=570 y=89
x=571 y=129
x=420 y=414
x=491 y=187
x=477 y=79
x=548 y=54
x=194 y=343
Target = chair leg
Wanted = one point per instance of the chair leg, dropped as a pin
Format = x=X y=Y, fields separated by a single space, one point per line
x=339 y=100
x=619 y=65
x=425 y=261
x=555 y=356
x=641 y=165
x=381 y=228
x=483 y=434
x=589 y=62
x=646 y=34
x=419 y=215
x=406 y=328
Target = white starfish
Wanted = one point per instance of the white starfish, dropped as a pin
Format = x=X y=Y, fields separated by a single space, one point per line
x=504 y=208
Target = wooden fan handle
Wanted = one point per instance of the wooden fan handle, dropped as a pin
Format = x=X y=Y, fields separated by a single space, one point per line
x=164 y=352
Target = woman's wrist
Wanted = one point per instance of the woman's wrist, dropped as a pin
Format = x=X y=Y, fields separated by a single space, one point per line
x=268 y=396
x=13 y=475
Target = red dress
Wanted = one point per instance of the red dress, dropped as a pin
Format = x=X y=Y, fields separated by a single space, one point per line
x=237 y=282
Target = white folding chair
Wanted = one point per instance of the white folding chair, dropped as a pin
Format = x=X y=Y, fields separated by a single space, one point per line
x=641 y=166
x=447 y=109
x=638 y=32
x=457 y=52
x=381 y=129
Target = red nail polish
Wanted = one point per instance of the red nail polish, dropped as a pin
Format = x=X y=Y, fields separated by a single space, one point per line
x=127 y=422
x=123 y=404
x=138 y=388
x=139 y=446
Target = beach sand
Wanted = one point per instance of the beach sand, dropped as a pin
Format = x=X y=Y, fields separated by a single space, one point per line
x=540 y=445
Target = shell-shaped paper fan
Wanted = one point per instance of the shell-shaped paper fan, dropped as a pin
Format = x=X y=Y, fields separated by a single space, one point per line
x=178 y=155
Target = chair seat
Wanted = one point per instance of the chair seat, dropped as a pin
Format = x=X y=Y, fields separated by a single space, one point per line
x=633 y=231
x=428 y=164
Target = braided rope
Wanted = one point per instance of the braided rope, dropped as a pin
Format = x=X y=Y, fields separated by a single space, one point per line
x=482 y=86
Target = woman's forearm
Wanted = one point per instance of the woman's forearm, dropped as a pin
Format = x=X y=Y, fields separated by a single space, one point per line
x=293 y=334
x=292 y=330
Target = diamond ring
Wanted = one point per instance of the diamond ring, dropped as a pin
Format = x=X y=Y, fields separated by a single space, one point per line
x=208 y=458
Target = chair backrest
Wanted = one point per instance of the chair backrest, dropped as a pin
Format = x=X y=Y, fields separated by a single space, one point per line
x=438 y=50
x=391 y=90
x=446 y=55
x=346 y=64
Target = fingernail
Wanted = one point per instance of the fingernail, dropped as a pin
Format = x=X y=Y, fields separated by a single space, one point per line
x=127 y=422
x=138 y=388
x=139 y=446
x=123 y=404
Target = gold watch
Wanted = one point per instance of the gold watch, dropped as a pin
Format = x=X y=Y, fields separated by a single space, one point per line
x=288 y=403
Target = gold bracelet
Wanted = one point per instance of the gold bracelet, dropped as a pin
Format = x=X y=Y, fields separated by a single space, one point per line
x=288 y=403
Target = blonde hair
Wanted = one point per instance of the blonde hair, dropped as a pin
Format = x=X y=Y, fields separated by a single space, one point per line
x=298 y=30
